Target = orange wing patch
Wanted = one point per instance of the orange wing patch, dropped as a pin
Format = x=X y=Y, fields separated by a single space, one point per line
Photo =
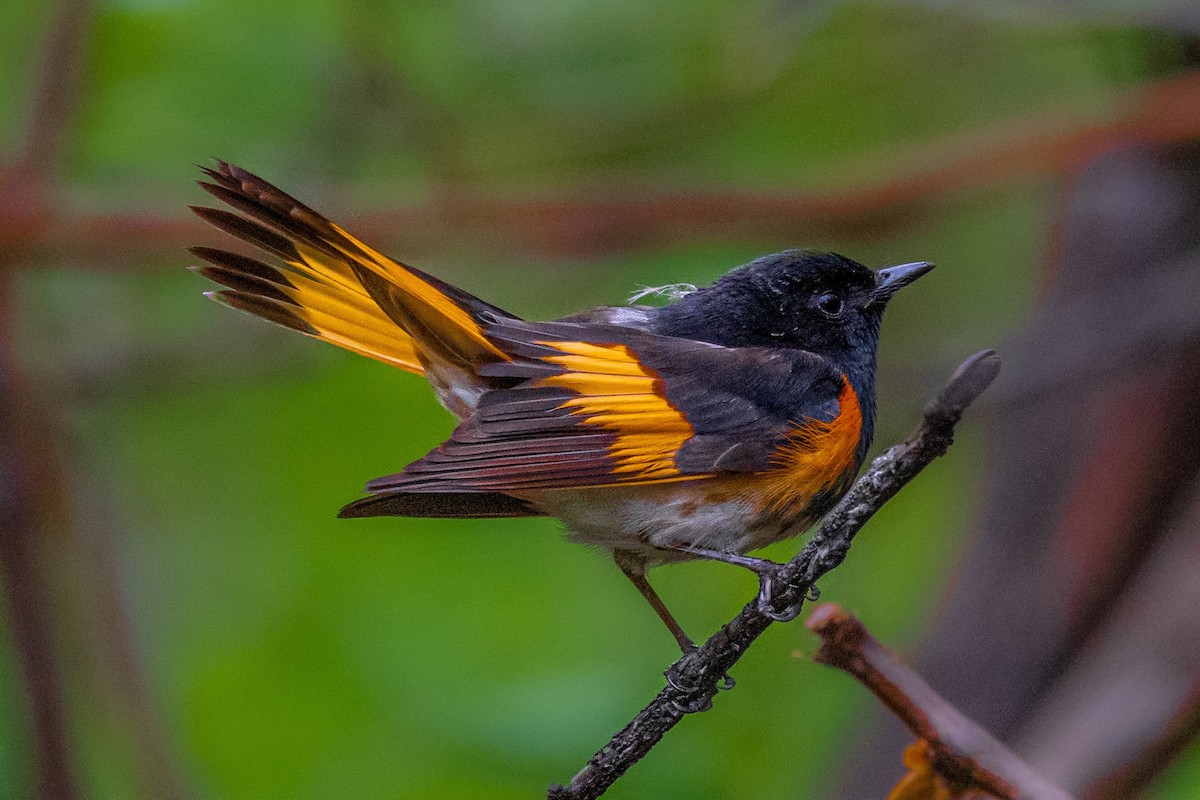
x=817 y=455
x=619 y=394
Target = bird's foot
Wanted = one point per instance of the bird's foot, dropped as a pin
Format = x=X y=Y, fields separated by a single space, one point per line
x=768 y=601
x=694 y=696
x=769 y=590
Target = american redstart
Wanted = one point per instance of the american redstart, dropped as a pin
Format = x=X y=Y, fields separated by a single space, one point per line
x=733 y=417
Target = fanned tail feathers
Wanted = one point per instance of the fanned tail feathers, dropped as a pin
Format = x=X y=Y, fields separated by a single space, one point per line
x=333 y=287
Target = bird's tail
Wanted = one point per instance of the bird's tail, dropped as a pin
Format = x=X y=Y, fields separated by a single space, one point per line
x=331 y=286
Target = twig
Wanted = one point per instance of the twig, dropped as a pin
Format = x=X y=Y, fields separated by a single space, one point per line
x=692 y=681
x=964 y=753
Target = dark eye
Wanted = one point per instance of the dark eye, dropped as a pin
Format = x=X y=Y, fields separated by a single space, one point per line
x=830 y=304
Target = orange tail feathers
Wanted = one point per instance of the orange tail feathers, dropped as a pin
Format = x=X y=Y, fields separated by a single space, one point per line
x=333 y=287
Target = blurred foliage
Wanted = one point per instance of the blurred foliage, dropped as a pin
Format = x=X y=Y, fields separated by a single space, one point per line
x=294 y=655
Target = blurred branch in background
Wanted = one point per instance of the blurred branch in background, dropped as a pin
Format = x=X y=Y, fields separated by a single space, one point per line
x=40 y=506
x=603 y=219
x=1136 y=674
x=27 y=461
x=1136 y=776
x=28 y=456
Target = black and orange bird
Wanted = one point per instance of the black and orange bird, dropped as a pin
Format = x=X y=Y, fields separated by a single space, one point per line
x=731 y=418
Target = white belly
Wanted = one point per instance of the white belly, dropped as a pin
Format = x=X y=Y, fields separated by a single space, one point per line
x=648 y=520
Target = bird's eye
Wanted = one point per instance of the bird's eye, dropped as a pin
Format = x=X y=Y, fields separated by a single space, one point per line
x=830 y=304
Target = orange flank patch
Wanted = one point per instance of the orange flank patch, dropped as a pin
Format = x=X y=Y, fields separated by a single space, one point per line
x=618 y=393
x=816 y=456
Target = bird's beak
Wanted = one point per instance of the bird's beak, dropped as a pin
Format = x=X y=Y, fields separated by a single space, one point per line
x=891 y=280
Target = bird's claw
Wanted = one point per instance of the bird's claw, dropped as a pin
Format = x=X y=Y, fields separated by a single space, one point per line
x=694 y=697
x=672 y=676
x=766 y=598
x=692 y=705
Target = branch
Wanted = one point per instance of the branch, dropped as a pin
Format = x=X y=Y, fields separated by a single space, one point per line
x=964 y=753
x=692 y=681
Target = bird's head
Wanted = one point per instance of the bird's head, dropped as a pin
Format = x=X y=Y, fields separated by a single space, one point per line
x=820 y=302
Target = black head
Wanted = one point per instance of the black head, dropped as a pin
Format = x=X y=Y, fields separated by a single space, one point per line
x=820 y=302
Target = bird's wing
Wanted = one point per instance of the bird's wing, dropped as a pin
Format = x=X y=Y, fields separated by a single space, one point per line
x=333 y=287
x=601 y=405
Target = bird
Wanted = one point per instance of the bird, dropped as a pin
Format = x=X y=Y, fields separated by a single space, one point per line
x=732 y=417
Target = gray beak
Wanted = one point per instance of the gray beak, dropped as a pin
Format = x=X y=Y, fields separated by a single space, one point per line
x=891 y=280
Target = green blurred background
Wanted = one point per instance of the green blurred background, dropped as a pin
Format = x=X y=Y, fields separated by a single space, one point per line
x=217 y=632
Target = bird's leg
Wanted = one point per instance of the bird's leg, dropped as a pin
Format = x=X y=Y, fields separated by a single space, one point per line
x=635 y=569
x=695 y=699
x=767 y=572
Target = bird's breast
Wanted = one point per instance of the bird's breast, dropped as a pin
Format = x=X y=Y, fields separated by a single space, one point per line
x=816 y=459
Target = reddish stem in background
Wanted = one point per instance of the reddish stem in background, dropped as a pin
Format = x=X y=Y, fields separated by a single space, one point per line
x=965 y=754
x=602 y=220
x=26 y=595
x=24 y=460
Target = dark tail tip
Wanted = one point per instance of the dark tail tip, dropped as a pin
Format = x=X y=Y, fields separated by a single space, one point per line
x=439 y=505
